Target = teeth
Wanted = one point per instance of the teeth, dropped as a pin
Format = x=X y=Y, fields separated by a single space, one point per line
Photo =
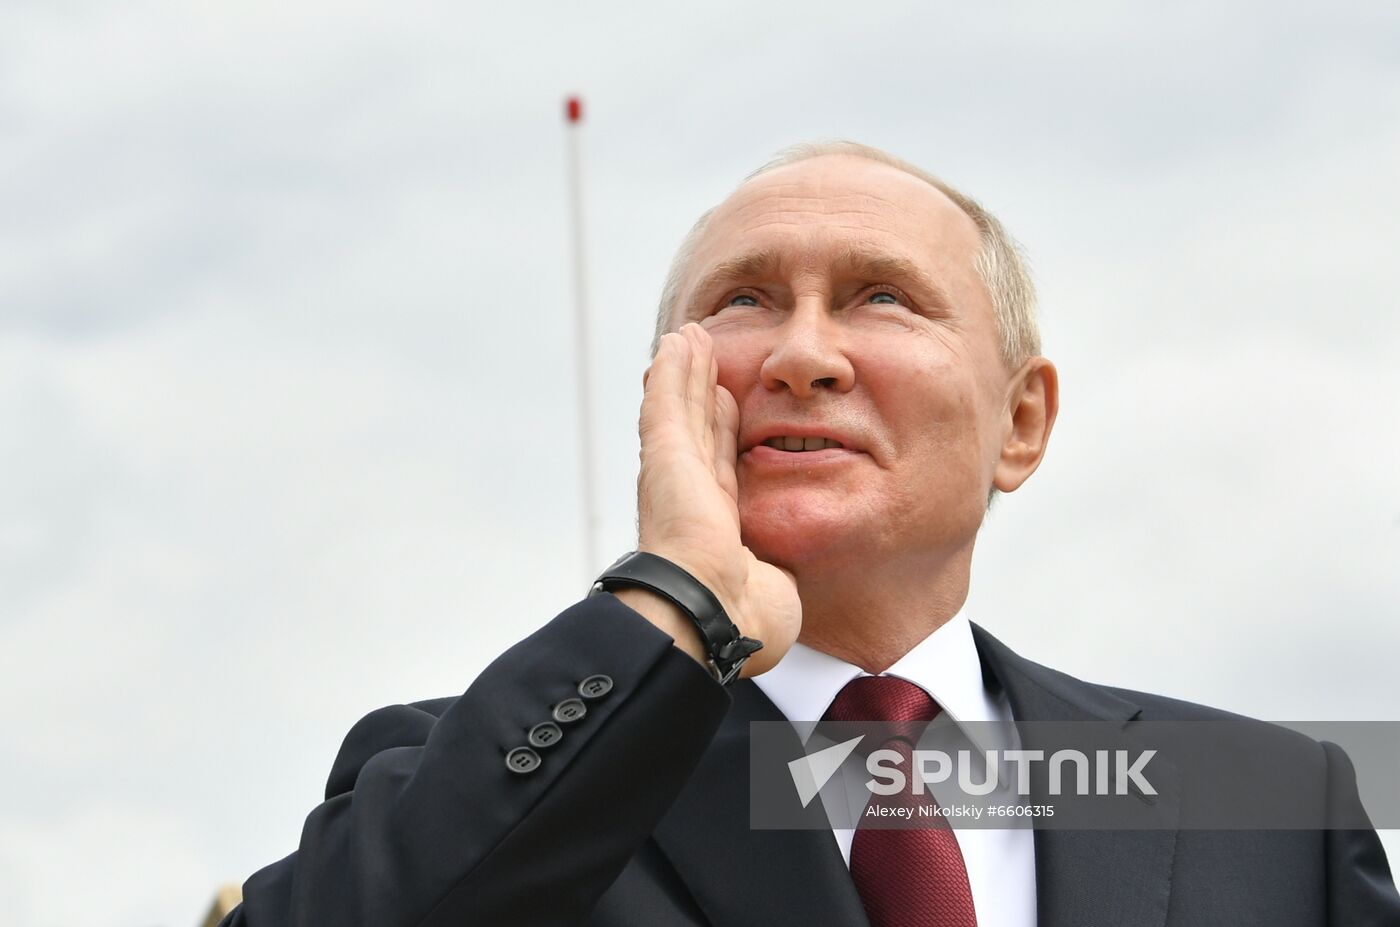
x=792 y=443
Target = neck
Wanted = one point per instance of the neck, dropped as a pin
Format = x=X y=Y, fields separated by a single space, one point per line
x=871 y=614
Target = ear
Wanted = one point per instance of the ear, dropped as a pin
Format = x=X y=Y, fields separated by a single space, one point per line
x=1033 y=399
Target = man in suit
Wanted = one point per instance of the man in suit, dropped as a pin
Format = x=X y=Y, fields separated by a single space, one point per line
x=847 y=369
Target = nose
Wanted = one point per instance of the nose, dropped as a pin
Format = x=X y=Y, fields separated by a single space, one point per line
x=808 y=355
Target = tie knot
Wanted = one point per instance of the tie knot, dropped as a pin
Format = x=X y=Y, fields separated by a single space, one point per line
x=903 y=706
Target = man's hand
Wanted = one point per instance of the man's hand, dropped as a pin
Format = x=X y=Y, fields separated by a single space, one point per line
x=688 y=503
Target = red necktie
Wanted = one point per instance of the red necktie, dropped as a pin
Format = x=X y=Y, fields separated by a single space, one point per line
x=911 y=875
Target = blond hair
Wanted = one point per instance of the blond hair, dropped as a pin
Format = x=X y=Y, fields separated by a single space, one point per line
x=999 y=263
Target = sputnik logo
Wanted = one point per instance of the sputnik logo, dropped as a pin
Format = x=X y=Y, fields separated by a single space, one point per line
x=930 y=767
x=811 y=772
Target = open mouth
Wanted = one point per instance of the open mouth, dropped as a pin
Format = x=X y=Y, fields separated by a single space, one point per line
x=791 y=443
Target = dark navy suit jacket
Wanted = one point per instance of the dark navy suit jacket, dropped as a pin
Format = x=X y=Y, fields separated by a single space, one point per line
x=640 y=814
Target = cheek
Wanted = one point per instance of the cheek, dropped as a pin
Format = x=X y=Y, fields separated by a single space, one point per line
x=739 y=363
x=934 y=414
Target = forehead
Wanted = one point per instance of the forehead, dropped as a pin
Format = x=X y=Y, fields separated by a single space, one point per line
x=818 y=210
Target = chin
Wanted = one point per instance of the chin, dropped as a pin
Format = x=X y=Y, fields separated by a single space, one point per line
x=795 y=536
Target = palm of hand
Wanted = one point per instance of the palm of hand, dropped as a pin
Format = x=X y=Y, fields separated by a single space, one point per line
x=688 y=494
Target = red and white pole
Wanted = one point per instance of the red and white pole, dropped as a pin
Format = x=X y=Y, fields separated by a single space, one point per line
x=573 y=114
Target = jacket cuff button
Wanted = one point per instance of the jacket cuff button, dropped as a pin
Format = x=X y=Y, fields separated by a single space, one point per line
x=545 y=734
x=569 y=711
x=522 y=760
x=595 y=686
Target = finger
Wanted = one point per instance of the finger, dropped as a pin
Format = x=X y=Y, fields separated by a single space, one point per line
x=663 y=389
x=726 y=440
x=698 y=393
x=711 y=382
x=664 y=365
x=712 y=410
x=726 y=425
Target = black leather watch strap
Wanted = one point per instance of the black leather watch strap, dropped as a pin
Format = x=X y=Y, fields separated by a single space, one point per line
x=726 y=647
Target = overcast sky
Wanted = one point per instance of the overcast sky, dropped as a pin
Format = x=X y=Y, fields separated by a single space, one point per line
x=286 y=382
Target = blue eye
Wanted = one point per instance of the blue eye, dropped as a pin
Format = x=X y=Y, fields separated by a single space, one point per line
x=742 y=300
x=888 y=299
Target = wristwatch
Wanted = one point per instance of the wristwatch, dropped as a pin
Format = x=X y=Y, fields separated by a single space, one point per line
x=725 y=647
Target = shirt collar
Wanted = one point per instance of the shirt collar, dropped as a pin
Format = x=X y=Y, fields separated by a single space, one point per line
x=945 y=665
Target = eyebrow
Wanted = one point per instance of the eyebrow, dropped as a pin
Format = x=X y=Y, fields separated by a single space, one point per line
x=756 y=264
x=868 y=265
x=878 y=267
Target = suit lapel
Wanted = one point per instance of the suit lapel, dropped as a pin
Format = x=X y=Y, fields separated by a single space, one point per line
x=742 y=877
x=1121 y=877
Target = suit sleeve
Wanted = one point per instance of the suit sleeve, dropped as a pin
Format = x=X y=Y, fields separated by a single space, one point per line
x=424 y=824
x=1360 y=888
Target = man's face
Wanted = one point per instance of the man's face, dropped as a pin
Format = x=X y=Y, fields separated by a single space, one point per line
x=845 y=308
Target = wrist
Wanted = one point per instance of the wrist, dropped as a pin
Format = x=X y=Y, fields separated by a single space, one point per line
x=667 y=616
x=724 y=648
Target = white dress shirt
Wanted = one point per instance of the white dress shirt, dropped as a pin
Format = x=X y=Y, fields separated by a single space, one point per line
x=1000 y=863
